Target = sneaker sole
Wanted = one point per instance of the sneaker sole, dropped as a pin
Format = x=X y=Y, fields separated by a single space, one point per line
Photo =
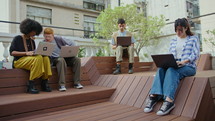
x=166 y=111
x=150 y=109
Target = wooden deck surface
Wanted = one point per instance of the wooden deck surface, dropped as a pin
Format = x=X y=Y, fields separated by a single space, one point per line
x=107 y=97
x=106 y=111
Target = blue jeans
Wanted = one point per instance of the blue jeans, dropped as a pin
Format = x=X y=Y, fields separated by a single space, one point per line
x=166 y=81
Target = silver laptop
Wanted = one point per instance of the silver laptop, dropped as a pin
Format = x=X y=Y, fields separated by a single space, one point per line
x=69 y=51
x=44 y=48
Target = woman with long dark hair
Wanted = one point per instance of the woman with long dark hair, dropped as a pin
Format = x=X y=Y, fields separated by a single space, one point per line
x=185 y=48
x=22 y=48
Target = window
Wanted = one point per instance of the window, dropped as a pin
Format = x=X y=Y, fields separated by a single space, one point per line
x=89 y=26
x=42 y=15
x=94 y=6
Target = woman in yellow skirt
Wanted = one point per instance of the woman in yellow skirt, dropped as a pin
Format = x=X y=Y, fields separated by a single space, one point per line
x=22 y=48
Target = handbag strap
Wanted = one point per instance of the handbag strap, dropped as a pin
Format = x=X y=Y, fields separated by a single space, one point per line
x=25 y=45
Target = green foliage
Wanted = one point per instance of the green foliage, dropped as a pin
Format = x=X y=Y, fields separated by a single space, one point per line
x=100 y=53
x=81 y=52
x=210 y=40
x=144 y=29
x=104 y=45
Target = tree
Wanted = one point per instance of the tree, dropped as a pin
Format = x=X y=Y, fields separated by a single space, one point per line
x=144 y=29
x=210 y=40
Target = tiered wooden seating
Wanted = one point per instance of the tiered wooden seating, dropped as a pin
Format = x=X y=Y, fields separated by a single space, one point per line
x=106 y=65
x=16 y=103
x=194 y=100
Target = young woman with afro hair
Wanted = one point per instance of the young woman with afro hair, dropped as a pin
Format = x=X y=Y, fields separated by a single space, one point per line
x=22 y=48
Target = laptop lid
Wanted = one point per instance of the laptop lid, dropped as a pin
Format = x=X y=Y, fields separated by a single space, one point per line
x=124 y=41
x=44 y=48
x=69 y=51
x=164 y=60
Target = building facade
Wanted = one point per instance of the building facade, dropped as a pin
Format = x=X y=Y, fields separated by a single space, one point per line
x=75 y=17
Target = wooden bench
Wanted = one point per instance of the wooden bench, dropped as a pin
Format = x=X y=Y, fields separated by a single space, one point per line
x=109 y=97
x=15 y=80
x=193 y=101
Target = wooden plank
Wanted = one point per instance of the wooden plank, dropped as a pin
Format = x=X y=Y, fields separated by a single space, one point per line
x=123 y=115
x=103 y=80
x=206 y=107
x=55 y=111
x=137 y=91
x=124 y=89
x=109 y=114
x=13 y=73
x=166 y=118
x=107 y=81
x=101 y=66
x=144 y=93
x=11 y=82
x=135 y=116
x=131 y=89
x=195 y=95
x=182 y=95
x=113 y=80
x=97 y=81
x=119 y=87
x=95 y=77
x=204 y=62
x=181 y=118
x=106 y=71
x=20 y=103
x=92 y=113
x=148 y=118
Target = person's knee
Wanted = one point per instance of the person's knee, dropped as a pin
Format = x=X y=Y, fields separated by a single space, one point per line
x=61 y=60
x=77 y=60
x=170 y=69
x=38 y=58
x=119 y=47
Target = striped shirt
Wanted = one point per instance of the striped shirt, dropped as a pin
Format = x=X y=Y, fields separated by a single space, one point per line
x=190 y=51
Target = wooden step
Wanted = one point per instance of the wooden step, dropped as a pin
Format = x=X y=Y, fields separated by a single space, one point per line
x=105 y=111
x=23 y=103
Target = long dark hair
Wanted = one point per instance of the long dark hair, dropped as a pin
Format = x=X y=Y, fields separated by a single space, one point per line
x=29 y=25
x=184 y=23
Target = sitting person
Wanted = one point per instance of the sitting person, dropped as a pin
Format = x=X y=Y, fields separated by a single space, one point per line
x=185 y=48
x=119 y=49
x=22 y=48
x=62 y=63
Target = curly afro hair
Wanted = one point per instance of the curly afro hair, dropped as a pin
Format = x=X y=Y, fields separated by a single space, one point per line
x=29 y=25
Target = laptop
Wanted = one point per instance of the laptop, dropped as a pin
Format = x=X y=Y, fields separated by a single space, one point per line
x=44 y=48
x=69 y=51
x=164 y=60
x=124 y=41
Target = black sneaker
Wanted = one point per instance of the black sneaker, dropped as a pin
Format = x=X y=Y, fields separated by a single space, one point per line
x=165 y=108
x=150 y=103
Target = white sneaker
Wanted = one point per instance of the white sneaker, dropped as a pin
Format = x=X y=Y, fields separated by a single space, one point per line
x=78 y=86
x=62 y=88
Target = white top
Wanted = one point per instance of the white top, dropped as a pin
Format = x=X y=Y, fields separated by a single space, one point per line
x=180 y=46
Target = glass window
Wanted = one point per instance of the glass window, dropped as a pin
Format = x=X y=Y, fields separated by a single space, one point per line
x=93 y=6
x=89 y=26
x=42 y=15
